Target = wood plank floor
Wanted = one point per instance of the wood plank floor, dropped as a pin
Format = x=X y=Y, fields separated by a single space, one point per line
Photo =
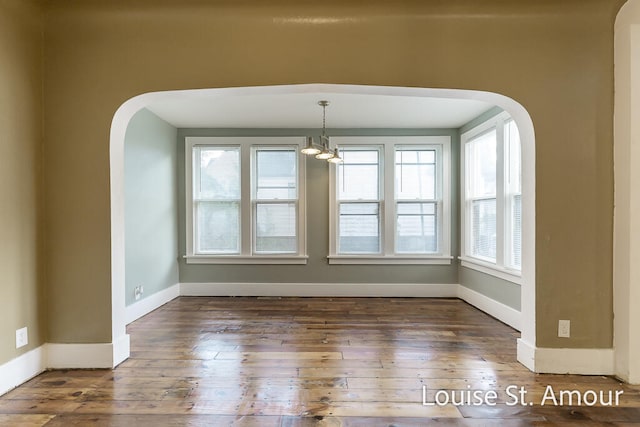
x=314 y=362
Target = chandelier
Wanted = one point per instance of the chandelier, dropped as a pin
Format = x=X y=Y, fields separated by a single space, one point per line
x=323 y=150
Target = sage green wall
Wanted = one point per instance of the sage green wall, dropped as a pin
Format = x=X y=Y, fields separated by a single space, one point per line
x=493 y=287
x=151 y=205
x=317 y=269
x=21 y=283
x=508 y=293
x=554 y=57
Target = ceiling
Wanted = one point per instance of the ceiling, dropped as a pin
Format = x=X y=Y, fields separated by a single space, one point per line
x=301 y=110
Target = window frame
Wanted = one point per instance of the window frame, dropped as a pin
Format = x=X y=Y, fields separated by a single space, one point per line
x=388 y=201
x=249 y=146
x=501 y=267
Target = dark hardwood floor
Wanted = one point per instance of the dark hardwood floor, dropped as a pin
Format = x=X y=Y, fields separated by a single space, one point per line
x=317 y=362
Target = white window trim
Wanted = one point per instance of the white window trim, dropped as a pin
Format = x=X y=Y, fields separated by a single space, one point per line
x=497 y=269
x=387 y=206
x=245 y=256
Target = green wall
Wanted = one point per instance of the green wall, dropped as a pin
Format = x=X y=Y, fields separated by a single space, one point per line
x=317 y=270
x=151 y=226
x=508 y=293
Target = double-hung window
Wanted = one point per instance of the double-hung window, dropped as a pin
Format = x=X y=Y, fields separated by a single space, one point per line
x=245 y=200
x=359 y=200
x=390 y=201
x=491 y=198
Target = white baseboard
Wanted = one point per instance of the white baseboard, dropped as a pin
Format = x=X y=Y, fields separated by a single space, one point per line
x=61 y=356
x=320 y=289
x=581 y=361
x=526 y=354
x=500 y=311
x=21 y=369
x=80 y=356
x=121 y=350
x=150 y=303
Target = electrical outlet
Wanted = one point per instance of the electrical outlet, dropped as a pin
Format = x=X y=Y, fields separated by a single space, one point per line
x=138 y=291
x=22 y=337
x=564 y=328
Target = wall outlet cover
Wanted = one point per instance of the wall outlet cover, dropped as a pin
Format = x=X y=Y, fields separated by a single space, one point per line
x=564 y=328
x=22 y=337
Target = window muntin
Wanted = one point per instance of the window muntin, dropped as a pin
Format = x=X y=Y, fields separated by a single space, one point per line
x=399 y=210
x=492 y=210
x=245 y=200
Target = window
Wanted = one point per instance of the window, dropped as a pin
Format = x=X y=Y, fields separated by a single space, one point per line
x=245 y=200
x=359 y=201
x=390 y=201
x=491 y=213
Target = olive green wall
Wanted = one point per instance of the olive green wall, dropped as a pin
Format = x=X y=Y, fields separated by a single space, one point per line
x=317 y=269
x=21 y=290
x=151 y=205
x=555 y=58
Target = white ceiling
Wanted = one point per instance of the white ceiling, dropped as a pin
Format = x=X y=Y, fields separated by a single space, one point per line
x=301 y=110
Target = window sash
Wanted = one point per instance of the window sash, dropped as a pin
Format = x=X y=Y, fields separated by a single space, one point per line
x=264 y=241
x=484 y=232
x=365 y=237
x=341 y=173
x=421 y=243
x=223 y=235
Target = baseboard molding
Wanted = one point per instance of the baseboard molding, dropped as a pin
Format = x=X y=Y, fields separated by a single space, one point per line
x=62 y=356
x=121 y=349
x=581 y=361
x=80 y=356
x=500 y=311
x=150 y=303
x=526 y=354
x=21 y=369
x=320 y=290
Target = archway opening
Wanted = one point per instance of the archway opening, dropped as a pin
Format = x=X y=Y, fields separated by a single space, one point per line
x=526 y=319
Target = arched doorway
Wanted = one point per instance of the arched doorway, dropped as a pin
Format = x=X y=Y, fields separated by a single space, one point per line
x=517 y=112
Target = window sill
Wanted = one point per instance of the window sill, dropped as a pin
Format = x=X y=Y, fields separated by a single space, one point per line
x=246 y=259
x=390 y=260
x=509 y=275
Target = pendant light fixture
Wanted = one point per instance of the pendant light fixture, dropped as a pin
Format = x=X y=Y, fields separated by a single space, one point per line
x=324 y=152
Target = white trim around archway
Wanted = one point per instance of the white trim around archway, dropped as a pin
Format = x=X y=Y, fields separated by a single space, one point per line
x=626 y=239
x=527 y=342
